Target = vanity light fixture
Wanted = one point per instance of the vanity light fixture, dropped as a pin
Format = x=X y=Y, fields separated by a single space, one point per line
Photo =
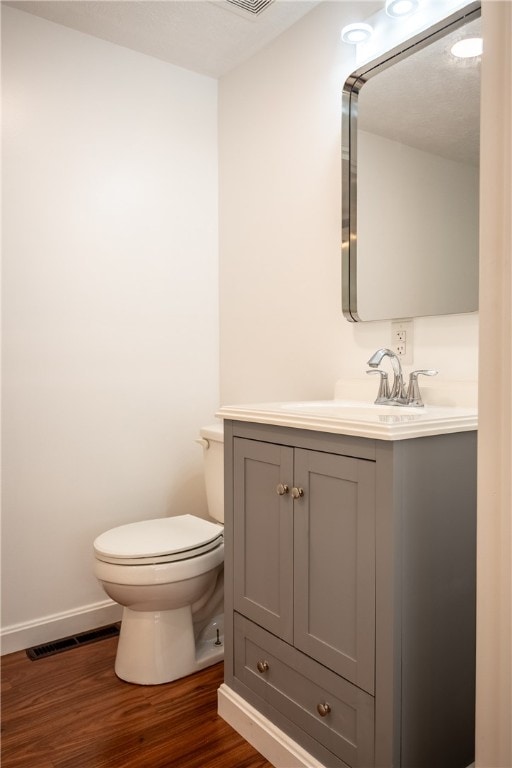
x=468 y=48
x=400 y=8
x=356 y=33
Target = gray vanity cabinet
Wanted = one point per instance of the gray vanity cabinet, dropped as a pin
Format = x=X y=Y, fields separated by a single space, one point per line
x=349 y=592
x=304 y=567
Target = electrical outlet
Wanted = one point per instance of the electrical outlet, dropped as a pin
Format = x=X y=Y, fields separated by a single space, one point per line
x=401 y=340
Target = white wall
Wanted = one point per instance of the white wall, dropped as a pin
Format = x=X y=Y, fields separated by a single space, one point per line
x=413 y=248
x=110 y=308
x=282 y=332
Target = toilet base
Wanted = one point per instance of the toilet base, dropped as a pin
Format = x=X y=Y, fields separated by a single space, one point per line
x=158 y=647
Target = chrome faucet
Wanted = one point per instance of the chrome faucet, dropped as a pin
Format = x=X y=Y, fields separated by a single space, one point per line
x=397 y=390
x=399 y=394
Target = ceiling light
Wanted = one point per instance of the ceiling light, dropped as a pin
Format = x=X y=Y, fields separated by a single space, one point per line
x=356 y=33
x=468 y=48
x=400 y=8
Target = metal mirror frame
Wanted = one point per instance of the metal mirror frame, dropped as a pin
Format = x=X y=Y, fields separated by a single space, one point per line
x=350 y=95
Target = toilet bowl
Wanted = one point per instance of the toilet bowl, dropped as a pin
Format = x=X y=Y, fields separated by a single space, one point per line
x=168 y=576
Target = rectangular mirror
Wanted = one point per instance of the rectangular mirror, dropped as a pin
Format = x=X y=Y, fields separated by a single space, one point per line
x=410 y=178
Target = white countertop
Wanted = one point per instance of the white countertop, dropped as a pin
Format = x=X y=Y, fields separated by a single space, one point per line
x=360 y=418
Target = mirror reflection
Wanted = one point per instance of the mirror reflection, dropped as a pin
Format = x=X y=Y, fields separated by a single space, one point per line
x=410 y=179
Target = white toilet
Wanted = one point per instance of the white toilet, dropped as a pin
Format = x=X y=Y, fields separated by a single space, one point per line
x=169 y=576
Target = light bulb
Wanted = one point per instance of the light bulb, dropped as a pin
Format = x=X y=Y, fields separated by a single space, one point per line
x=468 y=48
x=356 y=33
x=400 y=8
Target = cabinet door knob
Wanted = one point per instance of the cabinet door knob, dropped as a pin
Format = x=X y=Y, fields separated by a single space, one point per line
x=323 y=709
x=297 y=493
x=262 y=666
x=282 y=489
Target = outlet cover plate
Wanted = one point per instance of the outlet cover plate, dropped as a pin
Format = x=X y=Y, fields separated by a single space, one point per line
x=402 y=339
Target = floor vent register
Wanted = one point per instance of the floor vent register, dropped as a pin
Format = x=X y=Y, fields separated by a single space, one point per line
x=74 y=641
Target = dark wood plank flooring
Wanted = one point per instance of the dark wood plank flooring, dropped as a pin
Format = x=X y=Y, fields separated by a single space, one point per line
x=71 y=711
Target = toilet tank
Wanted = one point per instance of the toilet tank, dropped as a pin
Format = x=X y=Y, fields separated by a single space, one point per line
x=212 y=440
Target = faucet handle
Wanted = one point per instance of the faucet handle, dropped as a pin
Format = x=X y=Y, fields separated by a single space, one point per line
x=383 y=393
x=413 y=393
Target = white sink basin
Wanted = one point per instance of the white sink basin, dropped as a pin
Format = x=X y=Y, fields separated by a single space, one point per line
x=359 y=417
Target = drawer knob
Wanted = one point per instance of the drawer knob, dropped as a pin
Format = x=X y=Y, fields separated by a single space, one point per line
x=282 y=489
x=297 y=493
x=323 y=709
x=262 y=666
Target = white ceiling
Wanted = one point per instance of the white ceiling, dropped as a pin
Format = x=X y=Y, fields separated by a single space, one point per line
x=206 y=36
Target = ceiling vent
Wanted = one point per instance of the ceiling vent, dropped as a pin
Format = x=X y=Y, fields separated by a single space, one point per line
x=252 y=7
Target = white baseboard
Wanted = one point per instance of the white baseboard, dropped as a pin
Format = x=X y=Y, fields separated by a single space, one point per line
x=270 y=741
x=46 y=629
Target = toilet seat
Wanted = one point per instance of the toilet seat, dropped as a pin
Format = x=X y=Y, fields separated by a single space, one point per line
x=164 y=540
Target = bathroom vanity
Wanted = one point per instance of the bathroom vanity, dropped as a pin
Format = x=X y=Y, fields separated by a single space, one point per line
x=350 y=581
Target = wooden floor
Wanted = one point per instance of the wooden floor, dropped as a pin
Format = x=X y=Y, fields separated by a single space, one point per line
x=71 y=711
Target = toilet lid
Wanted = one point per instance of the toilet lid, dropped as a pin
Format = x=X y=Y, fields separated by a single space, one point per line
x=161 y=540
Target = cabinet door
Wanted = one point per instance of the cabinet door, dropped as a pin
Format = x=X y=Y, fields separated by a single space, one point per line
x=335 y=563
x=263 y=535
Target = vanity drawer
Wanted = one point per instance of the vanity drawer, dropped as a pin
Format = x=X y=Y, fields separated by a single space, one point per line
x=298 y=687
